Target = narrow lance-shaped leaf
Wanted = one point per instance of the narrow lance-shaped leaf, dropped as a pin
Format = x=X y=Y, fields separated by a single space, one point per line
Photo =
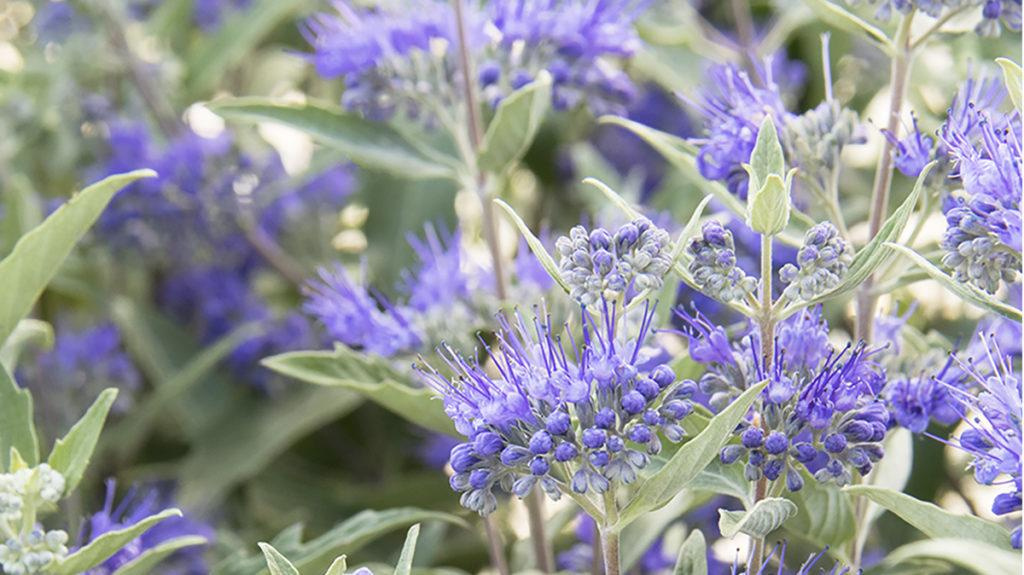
x=767 y=158
x=277 y=564
x=373 y=145
x=689 y=460
x=967 y=292
x=71 y=454
x=404 y=566
x=538 y=249
x=515 y=125
x=931 y=519
x=693 y=555
x=17 y=428
x=104 y=546
x=38 y=255
x=146 y=562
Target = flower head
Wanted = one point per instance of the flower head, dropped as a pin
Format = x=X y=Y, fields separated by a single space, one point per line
x=581 y=420
x=714 y=266
x=911 y=153
x=820 y=266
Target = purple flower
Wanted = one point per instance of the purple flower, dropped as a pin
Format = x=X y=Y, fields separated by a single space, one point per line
x=993 y=417
x=209 y=15
x=135 y=507
x=912 y=152
x=594 y=408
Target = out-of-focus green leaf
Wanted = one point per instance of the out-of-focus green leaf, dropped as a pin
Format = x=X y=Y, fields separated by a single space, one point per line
x=931 y=519
x=892 y=472
x=688 y=461
x=966 y=553
x=370 y=144
x=638 y=537
x=368 y=376
x=17 y=428
x=693 y=555
x=840 y=17
x=22 y=210
x=515 y=125
x=150 y=558
x=765 y=516
x=723 y=479
x=825 y=515
x=277 y=564
x=37 y=256
x=967 y=292
x=237 y=37
x=1013 y=79
x=71 y=453
x=263 y=430
x=104 y=546
x=348 y=537
x=28 y=332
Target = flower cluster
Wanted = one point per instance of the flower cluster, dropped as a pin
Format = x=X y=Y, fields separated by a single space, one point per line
x=582 y=421
x=911 y=153
x=130 y=511
x=26 y=547
x=403 y=57
x=599 y=265
x=993 y=12
x=714 y=266
x=983 y=238
x=821 y=263
x=81 y=364
x=815 y=139
x=819 y=411
x=993 y=438
x=732 y=110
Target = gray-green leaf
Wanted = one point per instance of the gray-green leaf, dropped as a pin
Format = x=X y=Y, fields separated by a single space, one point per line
x=1013 y=79
x=972 y=555
x=71 y=454
x=104 y=546
x=967 y=292
x=150 y=558
x=368 y=376
x=693 y=555
x=767 y=158
x=931 y=519
x=515 y=125
x=28 y=332
x=536 y=246
x=824 y=516
x=373 y=145
x=766 y=516
x=38 y=255
x=689 y=460
x=404 y=566
x=277 y=564
x=17 y=428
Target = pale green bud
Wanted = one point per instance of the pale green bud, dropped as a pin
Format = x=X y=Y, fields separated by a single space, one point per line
x=768 y=207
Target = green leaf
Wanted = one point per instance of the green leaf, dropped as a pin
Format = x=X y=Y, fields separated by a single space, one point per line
x=404 y=566
x=17 y=429
x=515 y=125
x=688 y=461
x=967 y=292
x=766 y=516
x=28 y=333
x=338 y=567
x=842 y=18
x=538 y=249
x=236 y=39
x=638 y=537
x=824 y=516
x=723 y=479
x=768 y=207
x=965 y=553
x=267 y=429
x=766 y=159
x=71 y=454
x=348 y=537
x=276 y=563
x=373 y=145
x=931 y=519
x=1013 y=79
x=104 y=546
x=150 y=558
x=693 y=555
x=37 y=256
x=368 y=376
x=892 y=472
x=875 y=253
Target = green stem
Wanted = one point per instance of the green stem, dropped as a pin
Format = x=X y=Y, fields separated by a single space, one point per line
x=766 y=319
x=610 y=536
x=899 y=74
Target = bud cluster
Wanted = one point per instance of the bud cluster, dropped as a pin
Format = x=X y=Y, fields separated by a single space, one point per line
x=823 y=260
x=815 y=139
x=599 y=265
x=28 y=549
x=713 y=265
